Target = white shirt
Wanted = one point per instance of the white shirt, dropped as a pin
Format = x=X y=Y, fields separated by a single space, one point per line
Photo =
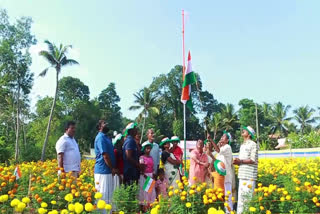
x=225 y=155
x=155 y=154
x=71 y=156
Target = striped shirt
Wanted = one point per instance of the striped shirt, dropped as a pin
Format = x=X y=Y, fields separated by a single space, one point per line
x=248 y=150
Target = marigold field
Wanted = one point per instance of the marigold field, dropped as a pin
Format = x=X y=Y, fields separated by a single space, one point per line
x=284 y=186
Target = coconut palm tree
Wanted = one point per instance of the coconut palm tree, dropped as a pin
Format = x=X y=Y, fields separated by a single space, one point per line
x=145 y=100
x=303 y=115
x=56 y=56
x=229 y=117
x=215 y=124
x=279 y=113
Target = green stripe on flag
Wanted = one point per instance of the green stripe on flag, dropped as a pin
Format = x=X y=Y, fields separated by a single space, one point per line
x=189 y=104
x=189 y=79
x=146 y=183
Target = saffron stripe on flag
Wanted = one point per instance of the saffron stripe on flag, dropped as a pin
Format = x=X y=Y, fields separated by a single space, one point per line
x=148 y=184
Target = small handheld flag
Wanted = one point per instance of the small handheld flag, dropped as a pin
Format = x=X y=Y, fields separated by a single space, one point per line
x=17 y=173
x=149 y=184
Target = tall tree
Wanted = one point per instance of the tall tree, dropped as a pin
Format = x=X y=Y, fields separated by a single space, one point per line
x=145 y=100
x=304 y=116
x=56 y=57
x=16 y=78
x=279 y=116
x=110 y=109
x=71 y=92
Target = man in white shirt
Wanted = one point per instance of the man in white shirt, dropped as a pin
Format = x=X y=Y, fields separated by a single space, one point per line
x=68 y=151
x=155 y=153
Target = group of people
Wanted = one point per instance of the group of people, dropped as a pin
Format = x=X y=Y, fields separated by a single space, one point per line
x=125 y=161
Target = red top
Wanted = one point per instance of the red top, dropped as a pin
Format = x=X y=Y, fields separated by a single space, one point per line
x=178 y=153
x=119 y=161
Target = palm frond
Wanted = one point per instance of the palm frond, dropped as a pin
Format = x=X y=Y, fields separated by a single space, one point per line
x=65 y=62
x=49 y=57
x=44 y=72
x=51 y=47
x=133 y=108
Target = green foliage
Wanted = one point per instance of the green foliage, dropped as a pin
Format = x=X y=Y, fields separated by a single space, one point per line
x=178 y=128
x=111 y=111
x=125 y=198
x=310 y=140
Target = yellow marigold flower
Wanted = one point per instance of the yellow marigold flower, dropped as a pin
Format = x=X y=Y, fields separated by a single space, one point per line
x=44 y=205
x=68 y=197
x=171 y=188
x=212 y=210
x=154 y=211
x=98 y=195
x=176 y=191
x=42 y=210
x=191 y=192
x=170 y=193
x=21 y=206
x=78 y=208
x=101 y=204
x=261 y=208
x=298 y=189
x=198 y=189
x=88 y=207
x=14 y=202
x=252 y=209
x=121 y=212
x=183 y=198
x=282 y=199
x=285 y=192
x=317 y=192
x=194 y=178
x=108 y=207
x=315 y=199
x=318 y=204
x=4 y=198
x=183 y=193
x=268 y=212
x=288 y=197
x=71 y=207
x=64 y=211
x=26 y=200
x=188 y=204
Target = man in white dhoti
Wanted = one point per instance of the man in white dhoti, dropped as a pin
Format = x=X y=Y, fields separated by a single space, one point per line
x=104 y=168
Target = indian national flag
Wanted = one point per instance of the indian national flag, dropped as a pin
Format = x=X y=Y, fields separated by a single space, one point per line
x=149 y=184
x=188 y=79
x=17 y=173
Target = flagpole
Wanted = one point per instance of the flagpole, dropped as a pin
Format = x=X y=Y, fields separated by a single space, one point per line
x=184 y=105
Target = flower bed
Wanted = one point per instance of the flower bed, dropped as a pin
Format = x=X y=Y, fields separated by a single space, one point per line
x=284 y=186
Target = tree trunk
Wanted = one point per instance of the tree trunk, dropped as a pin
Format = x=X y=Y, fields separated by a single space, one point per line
x=24 y=135
x=18 y=126
x=144 y=123
x=50 y=117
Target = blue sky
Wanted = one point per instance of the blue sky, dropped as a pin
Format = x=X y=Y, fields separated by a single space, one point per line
x=264 y=50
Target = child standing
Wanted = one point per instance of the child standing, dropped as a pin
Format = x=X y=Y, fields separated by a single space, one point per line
x=219 y=171
x=146 y=198
x=162 y=184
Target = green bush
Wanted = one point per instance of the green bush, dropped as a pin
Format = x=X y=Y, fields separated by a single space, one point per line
x=125 y=198
x=310 y=140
